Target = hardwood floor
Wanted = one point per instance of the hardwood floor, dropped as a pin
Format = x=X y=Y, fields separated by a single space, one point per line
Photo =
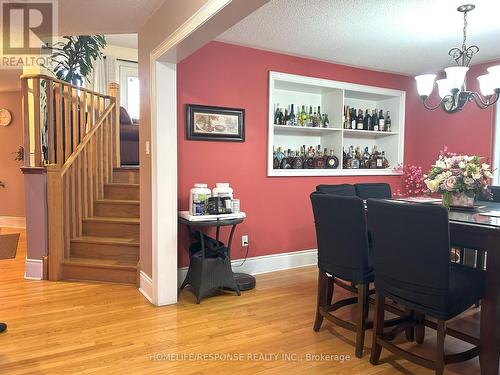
x=92 y=328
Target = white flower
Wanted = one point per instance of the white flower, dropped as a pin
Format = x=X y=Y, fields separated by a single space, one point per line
x=461 y=165
x=432 y=185
x=485 y=167
x=469 y=181
x=440 y=164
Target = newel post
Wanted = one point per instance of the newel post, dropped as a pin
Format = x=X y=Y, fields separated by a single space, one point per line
x=114 y=93
x=55 y=221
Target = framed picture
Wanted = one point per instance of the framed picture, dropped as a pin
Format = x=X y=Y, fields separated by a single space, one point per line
x=205 y=123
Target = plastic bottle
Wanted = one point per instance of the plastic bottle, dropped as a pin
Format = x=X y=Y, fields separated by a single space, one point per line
x=198 y=197
x=222 y=190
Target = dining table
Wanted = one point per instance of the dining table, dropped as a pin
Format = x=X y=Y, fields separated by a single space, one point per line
x=478 y=228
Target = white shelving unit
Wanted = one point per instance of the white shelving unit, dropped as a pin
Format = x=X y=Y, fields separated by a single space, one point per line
x=285 y=89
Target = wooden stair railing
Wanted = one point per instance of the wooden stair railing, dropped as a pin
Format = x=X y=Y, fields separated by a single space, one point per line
x=73 y=133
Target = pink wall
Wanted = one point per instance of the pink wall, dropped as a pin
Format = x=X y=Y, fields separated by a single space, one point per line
x=11 y=137
x=278 y=209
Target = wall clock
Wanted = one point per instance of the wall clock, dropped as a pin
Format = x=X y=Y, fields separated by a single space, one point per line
x=5 y=117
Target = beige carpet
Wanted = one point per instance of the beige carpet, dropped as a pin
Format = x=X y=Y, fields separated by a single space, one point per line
x=8 y=245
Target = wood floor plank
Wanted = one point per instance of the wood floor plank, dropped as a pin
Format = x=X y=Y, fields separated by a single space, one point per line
x=92 y=328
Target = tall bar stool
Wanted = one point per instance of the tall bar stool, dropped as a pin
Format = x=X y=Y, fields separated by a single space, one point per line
x=346 y=190
x=378 y=190
x=343 y=255
x=411 y=247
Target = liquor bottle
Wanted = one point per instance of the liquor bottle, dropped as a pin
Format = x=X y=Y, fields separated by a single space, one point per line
x=309 y=162
x=385 y=162
x=354 y=160
x=359 y=123
x=375 y=120
x=319 y=118
x=365 y=159
x=381 y=121
x=276 y=162
x=388 y=122
x=276 y=114
x=303 y=117
x=345 y=159
x=286 y=163
x=319 y=160
x=367 y=123
x=326 y=121
x=285 y=118
x=354 y=118
x=347 y=120
x=291 y=116
x=314 y=120
x=310 y=116
x=332 y=162
x=298 y=160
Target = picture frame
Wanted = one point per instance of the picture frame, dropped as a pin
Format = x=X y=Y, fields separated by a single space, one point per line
x=209 y=123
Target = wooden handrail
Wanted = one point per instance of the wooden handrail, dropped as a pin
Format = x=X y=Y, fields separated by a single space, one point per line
x=86 y=140
x=49 y=78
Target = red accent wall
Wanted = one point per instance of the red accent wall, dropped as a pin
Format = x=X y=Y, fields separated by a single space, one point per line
x=279 y=217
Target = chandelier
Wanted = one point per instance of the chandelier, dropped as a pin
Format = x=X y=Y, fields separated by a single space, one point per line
x=452 y=90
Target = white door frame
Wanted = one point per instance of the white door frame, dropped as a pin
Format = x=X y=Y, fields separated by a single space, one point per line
x=164 y=156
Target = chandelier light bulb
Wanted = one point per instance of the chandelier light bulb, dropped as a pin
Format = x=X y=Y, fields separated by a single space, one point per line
x=425 y=84
x=444 y=87
x=456 y=76
x=486 y=84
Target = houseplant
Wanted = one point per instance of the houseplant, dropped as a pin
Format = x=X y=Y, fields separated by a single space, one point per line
x=458 y=178
x=74 y=57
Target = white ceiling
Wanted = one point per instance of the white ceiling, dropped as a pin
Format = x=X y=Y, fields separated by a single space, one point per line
x=104 y=16
x=122 y=40
x=401 y=36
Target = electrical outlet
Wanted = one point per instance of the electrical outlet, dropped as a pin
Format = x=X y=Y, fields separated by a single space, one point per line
x=244 y=241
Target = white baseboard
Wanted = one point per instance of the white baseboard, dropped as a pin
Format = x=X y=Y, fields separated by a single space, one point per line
x=12 y=222
x=268 y=263
x=34 y=269
x=146 y=286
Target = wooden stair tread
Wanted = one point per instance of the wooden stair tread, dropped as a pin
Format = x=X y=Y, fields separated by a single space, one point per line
x=117 y=201
x=106 y=240
x=100 y=263
x=112 y=219
x=122 y=184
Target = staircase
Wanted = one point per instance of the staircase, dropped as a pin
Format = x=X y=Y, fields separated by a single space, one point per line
x=108 y=249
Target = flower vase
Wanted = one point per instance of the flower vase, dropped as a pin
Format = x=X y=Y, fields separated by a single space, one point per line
x=458 y=200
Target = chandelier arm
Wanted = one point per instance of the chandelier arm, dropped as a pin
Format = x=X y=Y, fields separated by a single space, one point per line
x=428 y=106
x=481 y=103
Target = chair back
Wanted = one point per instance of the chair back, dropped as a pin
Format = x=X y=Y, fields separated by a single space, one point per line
x=342 y=236
x=411 y=250
x=346 y=190
x=378 y=190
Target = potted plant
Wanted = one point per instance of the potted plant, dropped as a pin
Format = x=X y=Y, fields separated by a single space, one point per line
x=458 y=178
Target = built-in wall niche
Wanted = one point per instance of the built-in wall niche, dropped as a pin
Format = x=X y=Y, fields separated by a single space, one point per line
x=331 y=96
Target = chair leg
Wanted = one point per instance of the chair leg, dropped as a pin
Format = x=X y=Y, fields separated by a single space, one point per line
x=378 y=328
x=330 y=284
x=322 y=296
x=410 y=331
x=361 y=321
x=441 y=333
x=420 y=328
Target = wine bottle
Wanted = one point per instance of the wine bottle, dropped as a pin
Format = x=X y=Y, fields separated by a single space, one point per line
x=326 y=121
x=276 y=114
x=303 y=117
x=375 y=120
x=381 y=121
x=347 y=120
x=318 y=118
x=388 y=122
x=354 y=118
x=359 y=124
x=367 y=122
x=310 y=116
x=291 y=116
x=385 y=162
x=285 y=118
x=314 y=120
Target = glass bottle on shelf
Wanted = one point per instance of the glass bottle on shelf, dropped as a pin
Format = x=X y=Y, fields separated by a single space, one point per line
x=354 y=119
x=277 y=114
x=319 y=159
x=354 y=160
x=286 y=163
x=310 y=117
x=385 y=162
x=347 y=119
x=303 y=117
x=319 y=118
x=345 y=159
x=309 y=162
x=326 y=121
x=291 y=116
x=365 y=159
x=359 y=124
x=285 y=118
x=298 y=160
x=314 y=120
x=375 y=120
x=381 y=121
x=332 y=162
x=388 y=122
x=367 y=122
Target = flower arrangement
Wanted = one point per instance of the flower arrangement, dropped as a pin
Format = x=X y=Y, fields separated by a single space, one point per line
x=458 y=178
x=412 y=181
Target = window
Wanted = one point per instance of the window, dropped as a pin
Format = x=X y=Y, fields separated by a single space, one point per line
x=129 y=87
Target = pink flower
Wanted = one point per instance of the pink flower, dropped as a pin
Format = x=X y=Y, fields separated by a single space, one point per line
x=450 y=183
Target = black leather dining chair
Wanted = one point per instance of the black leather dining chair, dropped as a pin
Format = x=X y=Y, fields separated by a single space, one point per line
x=411 y=247
x=347 y=190
x=378 y=190
x=343 y=254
